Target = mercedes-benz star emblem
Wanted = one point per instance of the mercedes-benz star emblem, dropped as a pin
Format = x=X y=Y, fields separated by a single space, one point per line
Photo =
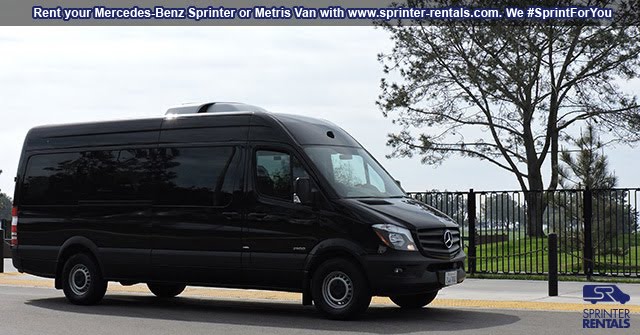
x=448 y=239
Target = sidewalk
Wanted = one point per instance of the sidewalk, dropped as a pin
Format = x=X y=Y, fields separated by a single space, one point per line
x=473 y=293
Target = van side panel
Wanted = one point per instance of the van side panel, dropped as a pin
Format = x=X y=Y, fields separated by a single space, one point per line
x=76 y=180
x=130 y=132
x=198 y=214
x=202 y=129
x=93 y=194
x=45 y=210
x=197 y=218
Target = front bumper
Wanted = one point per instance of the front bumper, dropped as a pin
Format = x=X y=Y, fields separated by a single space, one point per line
x=402 y=273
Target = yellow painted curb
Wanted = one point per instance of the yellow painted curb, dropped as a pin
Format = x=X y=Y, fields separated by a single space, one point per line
x=527 y=305
x=10 y=279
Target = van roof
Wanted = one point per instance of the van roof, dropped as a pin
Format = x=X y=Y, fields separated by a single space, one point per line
x=268 y=126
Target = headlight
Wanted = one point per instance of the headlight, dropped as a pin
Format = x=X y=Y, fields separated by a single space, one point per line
x=395 y=237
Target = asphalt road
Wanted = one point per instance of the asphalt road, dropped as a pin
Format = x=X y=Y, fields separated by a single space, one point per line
x=25 y=310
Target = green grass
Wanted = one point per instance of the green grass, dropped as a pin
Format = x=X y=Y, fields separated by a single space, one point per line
x=530 y=256
x=579 y=278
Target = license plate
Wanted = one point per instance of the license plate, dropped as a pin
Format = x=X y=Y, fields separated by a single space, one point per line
x=450 y=278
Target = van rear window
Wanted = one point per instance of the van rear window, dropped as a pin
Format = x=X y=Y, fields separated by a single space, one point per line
x=50 y=179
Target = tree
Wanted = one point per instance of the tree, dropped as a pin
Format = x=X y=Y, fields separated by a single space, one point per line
x=509 y=94
x=501 y=211
x=5 y=207
x=453 y=204
x=5 y=210
x=612 y=215
x=589 y=169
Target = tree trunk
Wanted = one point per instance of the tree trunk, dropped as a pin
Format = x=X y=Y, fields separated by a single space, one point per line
x=536 y=205
x=535 y=212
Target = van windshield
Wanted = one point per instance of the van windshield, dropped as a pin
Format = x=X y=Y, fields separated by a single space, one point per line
x=353 y=173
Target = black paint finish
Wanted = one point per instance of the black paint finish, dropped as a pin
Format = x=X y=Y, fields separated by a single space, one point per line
x=174 y=199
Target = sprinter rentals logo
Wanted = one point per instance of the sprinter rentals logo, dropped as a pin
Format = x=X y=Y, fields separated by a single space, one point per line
x=603 y=317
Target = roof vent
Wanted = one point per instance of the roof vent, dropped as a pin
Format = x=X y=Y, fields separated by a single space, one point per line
x=213 y=107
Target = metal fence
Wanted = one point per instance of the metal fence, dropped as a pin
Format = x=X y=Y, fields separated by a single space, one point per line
x=505 y=231
x=5 y=227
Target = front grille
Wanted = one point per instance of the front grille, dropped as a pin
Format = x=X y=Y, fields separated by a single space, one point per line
x=432 y=242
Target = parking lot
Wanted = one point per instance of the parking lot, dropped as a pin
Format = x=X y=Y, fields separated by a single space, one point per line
x=29 y=305
x=45 y=311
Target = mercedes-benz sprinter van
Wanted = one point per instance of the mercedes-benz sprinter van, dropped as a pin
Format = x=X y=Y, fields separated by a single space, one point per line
x=226 y=195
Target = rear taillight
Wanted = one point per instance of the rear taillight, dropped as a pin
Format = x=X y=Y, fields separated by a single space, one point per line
x=14 y=226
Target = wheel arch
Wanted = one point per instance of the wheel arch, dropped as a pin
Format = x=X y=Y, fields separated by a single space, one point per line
x=72 y=246
x=326 y=250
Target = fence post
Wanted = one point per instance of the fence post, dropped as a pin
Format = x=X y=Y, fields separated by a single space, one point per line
x=587 y=214
x=471 y=211
x=553 y=264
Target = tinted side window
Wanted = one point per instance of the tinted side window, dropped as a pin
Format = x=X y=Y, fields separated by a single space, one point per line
x=101 y=175
x=196 y=176
x=275 y=173
x=114 y=175
x=50 y=179
x=181 y=176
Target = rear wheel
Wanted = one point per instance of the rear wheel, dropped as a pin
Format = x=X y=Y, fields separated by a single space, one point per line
x=414 y=301
x=340 y=290
x=82 y=281
x=166 y=290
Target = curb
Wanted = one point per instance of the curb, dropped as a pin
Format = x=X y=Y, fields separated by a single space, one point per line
x=11 y=279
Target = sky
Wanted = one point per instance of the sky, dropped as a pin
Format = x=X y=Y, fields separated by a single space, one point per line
x=75 y=74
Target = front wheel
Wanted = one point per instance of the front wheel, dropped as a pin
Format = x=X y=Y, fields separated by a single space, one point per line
x=165 y=290
x=340 y=290
x=82 y=281
x=414 y=301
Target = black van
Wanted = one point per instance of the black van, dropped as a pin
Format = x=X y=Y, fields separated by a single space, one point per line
x=226 y=195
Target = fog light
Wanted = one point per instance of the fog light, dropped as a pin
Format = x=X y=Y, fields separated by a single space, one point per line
x=397 y=270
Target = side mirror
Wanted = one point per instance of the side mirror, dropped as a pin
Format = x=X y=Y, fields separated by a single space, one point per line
x=302 y=191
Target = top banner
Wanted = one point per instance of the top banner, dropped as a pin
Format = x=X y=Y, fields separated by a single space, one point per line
x=314 y=12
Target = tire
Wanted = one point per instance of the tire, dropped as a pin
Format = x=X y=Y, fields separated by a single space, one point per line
x=166 y=291
x=414 y=301
x=340 y=290
x=82 y=281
